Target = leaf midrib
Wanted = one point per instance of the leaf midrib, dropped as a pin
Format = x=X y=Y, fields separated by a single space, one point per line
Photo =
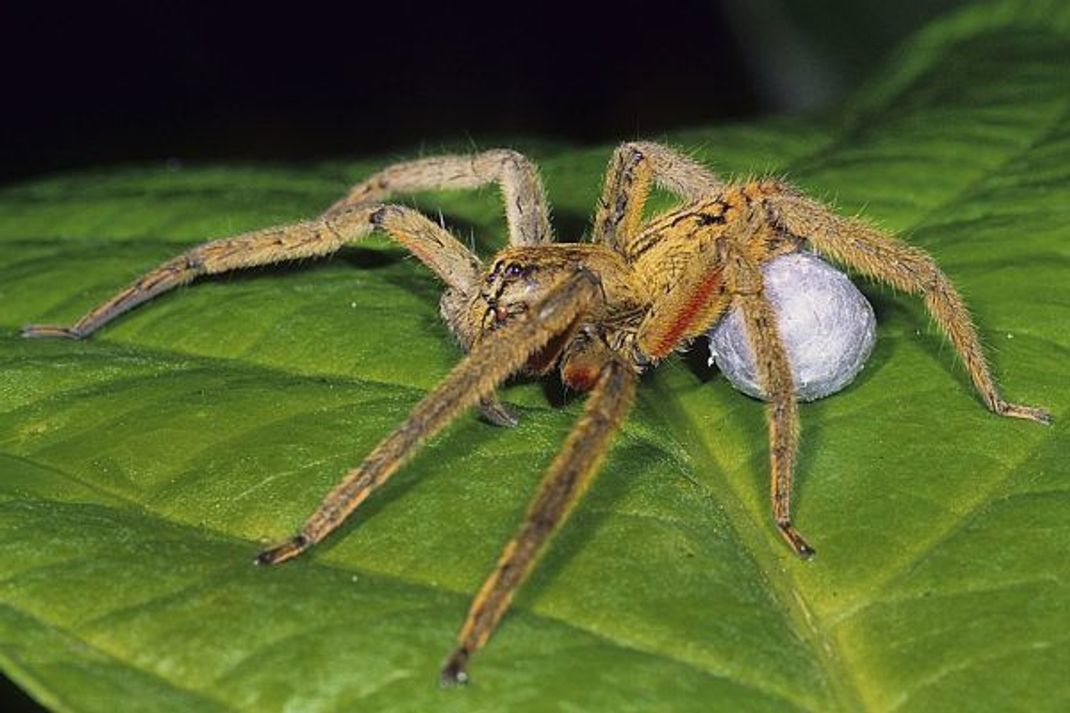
x=840 y=671
x=755 y=541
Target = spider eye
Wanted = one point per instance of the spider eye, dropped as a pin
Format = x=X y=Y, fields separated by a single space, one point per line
x=514 y=270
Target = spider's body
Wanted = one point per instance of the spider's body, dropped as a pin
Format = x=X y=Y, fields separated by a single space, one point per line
x=642 y=315
x=601 y=312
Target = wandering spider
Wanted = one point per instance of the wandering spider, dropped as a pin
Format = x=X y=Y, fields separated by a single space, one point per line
x=601 y=311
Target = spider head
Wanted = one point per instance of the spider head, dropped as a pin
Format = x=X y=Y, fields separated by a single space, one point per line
x=516 y=281
x=512 y=284
x=519 y=277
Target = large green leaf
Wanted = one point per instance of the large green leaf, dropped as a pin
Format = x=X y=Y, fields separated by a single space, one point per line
x=141 y=470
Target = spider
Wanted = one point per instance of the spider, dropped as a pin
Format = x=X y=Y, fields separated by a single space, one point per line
x=601 y=312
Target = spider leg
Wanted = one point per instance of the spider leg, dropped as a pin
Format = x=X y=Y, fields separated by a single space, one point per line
x=491 y=360
x=715 y=270
x=432 y=244
x=782 y=413
x=905 y=267
x=634 y=167
x=527 y=214
x=526 y=209
x=566 y=480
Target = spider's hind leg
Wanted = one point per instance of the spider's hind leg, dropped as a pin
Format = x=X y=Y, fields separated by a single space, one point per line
x=774 y=373
x=744 y=282
x=490 y=361
x=714 y=273
x=876 y=254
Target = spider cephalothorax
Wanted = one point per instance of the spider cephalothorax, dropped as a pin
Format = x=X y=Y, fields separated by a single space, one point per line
x=601 y=312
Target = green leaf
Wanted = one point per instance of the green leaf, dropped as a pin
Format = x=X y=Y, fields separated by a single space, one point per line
x=141 y=470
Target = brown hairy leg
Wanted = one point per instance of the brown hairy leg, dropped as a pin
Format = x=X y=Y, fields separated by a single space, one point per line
x=527 y=214
x=713 y=272
x=432 y=244
x=564 y=483
x=348 y=220
x=526 y=210
x=491 y=360
x=905 y=267
x=774 y=374
x=633 y=168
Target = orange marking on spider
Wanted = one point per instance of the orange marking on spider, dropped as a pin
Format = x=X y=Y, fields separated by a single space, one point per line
x=685 y=318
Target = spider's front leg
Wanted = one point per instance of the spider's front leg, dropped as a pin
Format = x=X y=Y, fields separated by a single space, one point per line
x=564 y=483
x=432 y=244
x=526 y=210
x=905 y=267
x=634 y=168
x=491 y=360
x=527 y=214
x=261 y=247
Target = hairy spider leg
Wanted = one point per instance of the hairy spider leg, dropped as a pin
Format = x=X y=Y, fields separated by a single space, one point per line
x=698 y=264
x=527 y=215
x=432 y=244
x=774 y=375
x=526 y=210
x=633 y=168
x=568 y=477
x=491 y=360
x=876 y=254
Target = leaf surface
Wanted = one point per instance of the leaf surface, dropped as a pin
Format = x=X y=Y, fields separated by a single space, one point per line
x=141 y=470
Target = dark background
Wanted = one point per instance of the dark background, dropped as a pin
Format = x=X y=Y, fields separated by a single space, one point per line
x=98 y=83
x=104 y=83
x=90 y=84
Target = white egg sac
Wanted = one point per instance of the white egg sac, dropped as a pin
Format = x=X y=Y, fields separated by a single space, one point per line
x=825 y=323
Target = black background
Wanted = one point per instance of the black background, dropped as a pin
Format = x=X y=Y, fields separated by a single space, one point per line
x=95 y=84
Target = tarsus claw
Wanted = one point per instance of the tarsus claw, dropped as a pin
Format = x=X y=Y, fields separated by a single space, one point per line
x=1029 y=413
x=47 y=331
x=285 y=551
x=453 y=673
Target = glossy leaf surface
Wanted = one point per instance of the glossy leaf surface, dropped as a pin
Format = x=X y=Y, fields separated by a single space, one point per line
x=141 y=470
